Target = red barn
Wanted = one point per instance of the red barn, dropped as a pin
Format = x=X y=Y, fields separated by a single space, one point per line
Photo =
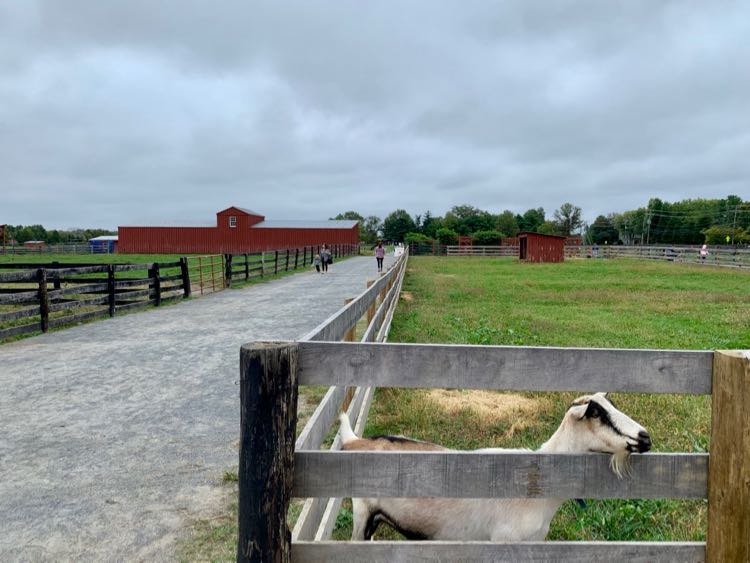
x=237 y=231
x=536 y=247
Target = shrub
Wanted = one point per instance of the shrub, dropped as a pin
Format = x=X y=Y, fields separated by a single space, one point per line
x=487 y=238
x=419 y=238
x=447 y=236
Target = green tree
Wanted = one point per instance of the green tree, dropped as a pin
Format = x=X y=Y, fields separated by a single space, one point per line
x=368 y=229
x=603 y=230
x=507 y=223
x=349 y=216
x=548 y=228
x=467 y=219
x=568 y=219
x=430 y=224
x=531 y=220
x=397 y=224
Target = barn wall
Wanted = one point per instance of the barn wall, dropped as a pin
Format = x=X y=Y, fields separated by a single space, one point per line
x=542 y=248
x=212 y=240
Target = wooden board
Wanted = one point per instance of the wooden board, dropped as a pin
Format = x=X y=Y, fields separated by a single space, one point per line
x=20 y=314
x=8 y=277
x=496 y=475
x=16 y=330
x=572 y=552
x=505 y=367
x=729 y=485
x=321 y=420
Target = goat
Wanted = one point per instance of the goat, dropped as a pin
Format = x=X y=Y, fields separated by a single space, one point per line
x=591 y=424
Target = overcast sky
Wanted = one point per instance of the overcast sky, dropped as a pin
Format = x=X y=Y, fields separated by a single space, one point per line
x=142 y=112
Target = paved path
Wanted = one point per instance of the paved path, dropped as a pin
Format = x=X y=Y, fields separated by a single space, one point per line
x=113 y=434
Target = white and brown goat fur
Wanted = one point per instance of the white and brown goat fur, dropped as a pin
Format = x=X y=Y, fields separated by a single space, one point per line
x=591 y=424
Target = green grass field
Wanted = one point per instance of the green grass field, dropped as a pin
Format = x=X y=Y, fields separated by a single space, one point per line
x=611 y=304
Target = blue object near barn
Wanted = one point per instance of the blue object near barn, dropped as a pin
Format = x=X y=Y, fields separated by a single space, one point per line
x=106 y=244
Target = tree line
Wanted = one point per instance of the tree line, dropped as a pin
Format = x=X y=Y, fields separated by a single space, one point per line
x=21 y=234
x=690 y=221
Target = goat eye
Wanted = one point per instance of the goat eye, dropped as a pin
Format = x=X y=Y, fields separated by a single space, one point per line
x=594 y=414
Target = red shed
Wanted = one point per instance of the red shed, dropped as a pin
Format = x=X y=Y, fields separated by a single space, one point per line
x=237 y=231
x=536 y=247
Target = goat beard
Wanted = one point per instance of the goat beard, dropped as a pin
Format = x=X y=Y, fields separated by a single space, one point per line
x=620 y=464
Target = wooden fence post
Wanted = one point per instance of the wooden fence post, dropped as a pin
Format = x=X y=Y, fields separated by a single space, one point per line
x=268 y=417
x=729 y=470
x=154 y=273
x=185 y=277
x=296 y=258
x=41 y=276
x=56 y=279
x=286 y=268
x=227 y=270
x=262 y=263
x=111 y=289
x=247 y=267
x=275 y=262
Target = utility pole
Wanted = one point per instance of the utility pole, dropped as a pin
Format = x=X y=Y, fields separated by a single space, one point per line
x=734 y=223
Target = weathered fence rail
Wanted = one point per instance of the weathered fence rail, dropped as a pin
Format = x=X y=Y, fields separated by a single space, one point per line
x=309 y=472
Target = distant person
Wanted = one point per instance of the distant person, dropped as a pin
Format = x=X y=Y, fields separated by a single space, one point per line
x=595 y=250
x=325 y=257
x=379 y=255
x=704 y=252
x=316 y=262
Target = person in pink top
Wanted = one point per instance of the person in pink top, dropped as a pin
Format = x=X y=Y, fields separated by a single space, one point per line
x=379 y=255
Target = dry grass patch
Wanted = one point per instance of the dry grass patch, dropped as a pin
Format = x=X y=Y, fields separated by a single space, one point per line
x=490 y=407
x=407 y=296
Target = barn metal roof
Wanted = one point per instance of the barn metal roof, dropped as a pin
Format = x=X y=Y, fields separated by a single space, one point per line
x=304 y=225
x=104 y=237
x=249 y=211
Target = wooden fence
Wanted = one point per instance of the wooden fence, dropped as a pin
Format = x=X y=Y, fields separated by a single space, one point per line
x=726 y=257
x=274 y=467
x=481 y=251
x=36 y=297
x=318 y=514
x=59 y=294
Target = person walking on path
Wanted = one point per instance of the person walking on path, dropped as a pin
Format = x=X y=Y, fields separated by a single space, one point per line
x=316 y=262
x=325 y=257
x=379 y=255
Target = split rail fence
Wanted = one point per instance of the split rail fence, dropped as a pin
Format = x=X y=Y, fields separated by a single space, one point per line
x=37 y=297
x=274 y=467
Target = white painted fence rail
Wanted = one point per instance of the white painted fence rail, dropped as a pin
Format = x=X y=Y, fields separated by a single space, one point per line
x=318 y=515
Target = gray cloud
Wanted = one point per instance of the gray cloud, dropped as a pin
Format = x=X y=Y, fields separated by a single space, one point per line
x=129 y=112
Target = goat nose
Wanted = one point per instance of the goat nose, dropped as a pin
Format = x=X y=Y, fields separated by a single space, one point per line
x=644 y=441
